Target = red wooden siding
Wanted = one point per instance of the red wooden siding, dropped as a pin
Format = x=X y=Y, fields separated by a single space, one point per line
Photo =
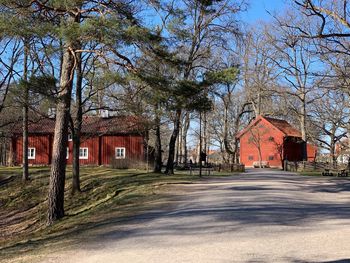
x=271 y=140
x=41 y=143
x=311 y=152
x=133 y=144
x=93 y=149
x=101 y=149
x=278 y=141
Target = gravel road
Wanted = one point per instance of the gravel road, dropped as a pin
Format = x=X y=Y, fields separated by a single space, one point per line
x=260 y=216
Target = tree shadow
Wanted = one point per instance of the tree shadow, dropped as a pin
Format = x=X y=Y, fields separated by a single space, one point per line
x=232 y=204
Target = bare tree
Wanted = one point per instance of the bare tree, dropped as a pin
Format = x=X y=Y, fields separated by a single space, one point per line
x=298 y=80
x=330 y=116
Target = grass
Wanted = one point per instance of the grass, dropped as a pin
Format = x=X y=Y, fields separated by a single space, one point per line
x=107 y=194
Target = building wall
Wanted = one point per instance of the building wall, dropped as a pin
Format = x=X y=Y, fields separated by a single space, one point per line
x=42 y=145
x=292 y=150
x=92 y=143
x=101 y=150
x=134 y=147
x=271 y=141
x=311 y=152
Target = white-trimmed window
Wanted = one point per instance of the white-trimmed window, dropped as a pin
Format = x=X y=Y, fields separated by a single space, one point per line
x=31 y=153
x=120 y=153
x=83 y=153
x=67 y=154
x=70 y=137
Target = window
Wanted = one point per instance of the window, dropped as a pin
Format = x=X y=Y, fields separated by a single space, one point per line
x=120 y=153
x=271 y=139
x=250 y=157
x=70 y=137
x=67 y=154
x=31 y=153
x=83 y=153
x=271 y=157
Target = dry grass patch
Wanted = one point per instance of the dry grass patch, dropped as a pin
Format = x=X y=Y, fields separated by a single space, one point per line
x=106 y=194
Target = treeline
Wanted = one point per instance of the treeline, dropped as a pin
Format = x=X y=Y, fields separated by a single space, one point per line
x=151 y=58
x=183 y=65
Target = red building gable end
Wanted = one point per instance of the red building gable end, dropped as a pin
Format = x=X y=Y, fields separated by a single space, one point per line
x=103 y=140
x=271 y=141
x=281 y=125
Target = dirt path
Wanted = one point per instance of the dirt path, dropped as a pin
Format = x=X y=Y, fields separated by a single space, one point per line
x=261 y=216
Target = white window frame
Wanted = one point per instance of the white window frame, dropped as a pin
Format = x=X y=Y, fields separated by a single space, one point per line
x=70 y=137
x=31 y=157
x=116 y=150
x=87 y=153
x=67 y=153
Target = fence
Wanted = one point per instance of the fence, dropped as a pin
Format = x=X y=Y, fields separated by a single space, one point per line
x=207 y=170
x=234 y=167
x=311 y=166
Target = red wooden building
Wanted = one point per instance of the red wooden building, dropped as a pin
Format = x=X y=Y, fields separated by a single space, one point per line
x=274 y=140
x=103 y=140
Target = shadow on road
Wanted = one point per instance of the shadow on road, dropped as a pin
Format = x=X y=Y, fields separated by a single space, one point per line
x=227 y=205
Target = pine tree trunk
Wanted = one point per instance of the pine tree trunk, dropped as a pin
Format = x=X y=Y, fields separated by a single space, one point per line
x=158 y=145
x=25 y=169
x=58 y=166
x=77 y=126
x=185 y=128
x=158 y=149
x=170 y=164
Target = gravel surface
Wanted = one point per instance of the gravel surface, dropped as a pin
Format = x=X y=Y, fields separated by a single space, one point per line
x=260 y=216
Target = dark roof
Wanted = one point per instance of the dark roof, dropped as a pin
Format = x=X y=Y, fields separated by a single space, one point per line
x=284 y=127
x=92 y=125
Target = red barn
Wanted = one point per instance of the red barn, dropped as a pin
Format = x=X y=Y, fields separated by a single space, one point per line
x=271 y=141
x=103 y=140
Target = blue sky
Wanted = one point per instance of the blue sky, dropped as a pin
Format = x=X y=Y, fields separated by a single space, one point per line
x=258 y=10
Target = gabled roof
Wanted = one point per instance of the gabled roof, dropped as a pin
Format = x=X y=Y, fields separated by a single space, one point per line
x=91 y=125
x=282 y=125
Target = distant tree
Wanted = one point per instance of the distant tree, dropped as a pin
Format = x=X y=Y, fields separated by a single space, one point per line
x=299 y=79
x=230 y=106
x=330 y=117
x=194 y=28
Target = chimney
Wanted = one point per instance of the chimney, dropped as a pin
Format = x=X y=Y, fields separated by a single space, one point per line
x=51 y=113
x=105 y=114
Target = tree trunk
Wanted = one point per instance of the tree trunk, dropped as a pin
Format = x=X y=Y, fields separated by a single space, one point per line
x=260 y=157
x=58 y=166
x=185 y=128
x=231 y=152
x=77 y=126
x=178 y=145
x=158 y=145
x=303 y=128
x=332 y=151
x=25 y=169
x=170 y=164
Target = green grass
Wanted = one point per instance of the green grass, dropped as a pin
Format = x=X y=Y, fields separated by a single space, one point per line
x=106 y=194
